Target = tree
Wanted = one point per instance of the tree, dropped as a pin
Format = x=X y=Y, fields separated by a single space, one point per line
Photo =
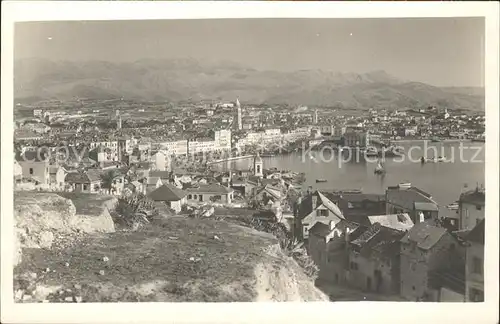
x=107 y=180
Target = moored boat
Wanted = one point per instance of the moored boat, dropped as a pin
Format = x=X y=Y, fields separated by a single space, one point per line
x=320 y=180
x=405 y=185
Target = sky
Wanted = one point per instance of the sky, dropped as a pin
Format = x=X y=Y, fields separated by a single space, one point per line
x=437 y=51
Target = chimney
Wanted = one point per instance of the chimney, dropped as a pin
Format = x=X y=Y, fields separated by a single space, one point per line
x=314 y=200
x=347 y=234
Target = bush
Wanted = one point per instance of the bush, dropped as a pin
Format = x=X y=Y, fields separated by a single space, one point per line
x=288 y=245
x=135 y=210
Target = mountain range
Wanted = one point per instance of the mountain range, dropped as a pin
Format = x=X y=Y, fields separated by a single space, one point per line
x=182 y=79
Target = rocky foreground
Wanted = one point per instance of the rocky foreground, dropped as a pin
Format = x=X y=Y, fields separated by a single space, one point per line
x=172 y=259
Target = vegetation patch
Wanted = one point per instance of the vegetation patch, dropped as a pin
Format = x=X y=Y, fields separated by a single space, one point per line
x=182 y=251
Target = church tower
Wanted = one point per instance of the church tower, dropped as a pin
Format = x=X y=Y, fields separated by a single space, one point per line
x=257 y=166
x=239 y=117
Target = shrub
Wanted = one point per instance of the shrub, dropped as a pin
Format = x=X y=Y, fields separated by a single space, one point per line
x=135 y=210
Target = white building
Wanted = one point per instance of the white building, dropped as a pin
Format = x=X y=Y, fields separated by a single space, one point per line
x=178 y=147
x=201 y=146
x=223 y=140
x=113 y=145
x=298 y=133
x=162 y=161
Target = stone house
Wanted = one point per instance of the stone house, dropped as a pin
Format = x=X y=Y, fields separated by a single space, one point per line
x=471 y=209
x=315 y=207
x=268 y=195
x=432 y=261
x=87 y=182
x=34 y=166
x=173 y=197
x=413 y=201
x=328 y=249
x=57 y=174
x=209 y=193
x=474 y=266
x=374 y=263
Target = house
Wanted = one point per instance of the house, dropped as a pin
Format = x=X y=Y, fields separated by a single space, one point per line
x=474 y=266
x=244 y=187
x=35 y=166
x=471 y=208
x=432 y=264
x=374 y=263
x=18 y=171
x=268 y=195
x=210 y=193
x=57 y=174
x=118 y=184
x=412 y=201
x=315 y=207
x=357 y=206
x=319 y=236
x=161 y=160
x=173 y=197
x=88 y=182
x=329 y=249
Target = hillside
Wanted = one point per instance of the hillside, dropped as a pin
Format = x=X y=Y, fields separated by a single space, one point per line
x=175 y=259
x=182 y=79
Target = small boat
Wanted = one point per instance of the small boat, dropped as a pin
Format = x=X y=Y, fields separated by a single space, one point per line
x=320 y=180
x=435 y=140
x=441 y=159
x=405 y=185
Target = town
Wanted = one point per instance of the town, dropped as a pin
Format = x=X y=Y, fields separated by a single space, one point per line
x=392 y=245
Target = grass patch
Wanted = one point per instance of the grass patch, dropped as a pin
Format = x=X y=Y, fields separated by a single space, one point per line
x=176 y=250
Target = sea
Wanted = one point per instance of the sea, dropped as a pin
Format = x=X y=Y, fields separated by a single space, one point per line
x=463 y=169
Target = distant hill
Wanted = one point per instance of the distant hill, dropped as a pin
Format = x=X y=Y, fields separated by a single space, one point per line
x=181 y=79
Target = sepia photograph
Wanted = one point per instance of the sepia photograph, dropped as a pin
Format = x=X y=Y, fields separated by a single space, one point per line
x=250 y=160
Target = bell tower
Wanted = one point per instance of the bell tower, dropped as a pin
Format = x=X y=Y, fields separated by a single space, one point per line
x=257 y=166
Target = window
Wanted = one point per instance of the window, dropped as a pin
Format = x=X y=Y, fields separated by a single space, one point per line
x=190 y=196
x=31 y=170
x=354 y=266
x=323 y=212
x=85 y=186
x=477 y=265
x=478 y=207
